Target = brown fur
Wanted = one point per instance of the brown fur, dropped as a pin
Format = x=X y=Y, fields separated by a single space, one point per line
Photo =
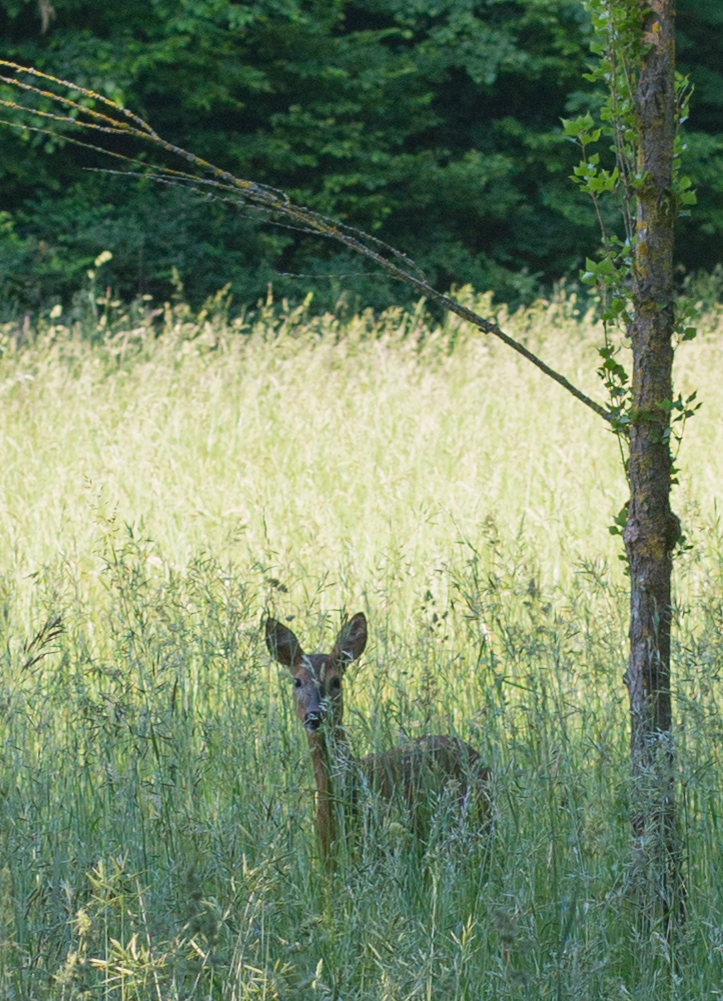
x=434 y=764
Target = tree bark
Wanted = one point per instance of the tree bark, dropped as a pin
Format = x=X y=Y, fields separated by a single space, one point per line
x=652 y=529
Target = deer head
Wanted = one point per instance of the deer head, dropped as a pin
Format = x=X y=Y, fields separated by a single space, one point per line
x=318 y=676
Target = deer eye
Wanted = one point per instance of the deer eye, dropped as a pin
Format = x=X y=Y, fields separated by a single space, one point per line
x=335 y=684
x=297 y=682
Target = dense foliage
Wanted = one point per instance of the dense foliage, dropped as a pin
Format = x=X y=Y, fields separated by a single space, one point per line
x=437 y=126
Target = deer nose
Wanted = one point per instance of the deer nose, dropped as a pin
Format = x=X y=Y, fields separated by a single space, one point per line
x=314 y=719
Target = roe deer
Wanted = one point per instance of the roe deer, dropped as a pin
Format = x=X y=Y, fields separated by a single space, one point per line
x=426 y=764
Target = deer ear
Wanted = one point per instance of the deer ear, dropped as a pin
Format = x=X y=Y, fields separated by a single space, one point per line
x=283 y=644
x=351 y=641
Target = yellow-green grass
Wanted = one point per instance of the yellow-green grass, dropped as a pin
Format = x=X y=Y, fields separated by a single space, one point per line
x=324 y=442
x=163 y=489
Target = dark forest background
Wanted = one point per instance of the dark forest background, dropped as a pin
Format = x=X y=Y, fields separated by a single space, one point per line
x=435 y=125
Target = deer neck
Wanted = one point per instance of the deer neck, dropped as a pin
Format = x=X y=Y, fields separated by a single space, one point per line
x=331 y=758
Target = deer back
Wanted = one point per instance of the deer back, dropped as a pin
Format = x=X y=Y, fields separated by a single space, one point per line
x=433 y=765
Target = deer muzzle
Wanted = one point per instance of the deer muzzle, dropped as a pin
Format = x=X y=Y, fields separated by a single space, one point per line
x=313 y=719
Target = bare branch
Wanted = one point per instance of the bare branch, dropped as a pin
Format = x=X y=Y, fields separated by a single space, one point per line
x=391 y=261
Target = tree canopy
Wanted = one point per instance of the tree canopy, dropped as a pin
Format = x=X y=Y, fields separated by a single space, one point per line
x=434 y=126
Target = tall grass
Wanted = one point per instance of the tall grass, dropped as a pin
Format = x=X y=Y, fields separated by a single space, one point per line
x=170 y=480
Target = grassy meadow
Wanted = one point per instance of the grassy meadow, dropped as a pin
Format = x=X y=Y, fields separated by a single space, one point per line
x=171 y=479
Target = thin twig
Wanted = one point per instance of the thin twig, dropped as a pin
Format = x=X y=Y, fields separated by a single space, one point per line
x=397 y=265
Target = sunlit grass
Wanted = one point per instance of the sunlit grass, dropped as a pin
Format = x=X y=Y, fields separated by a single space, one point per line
x=163 y=489
x=322 y=441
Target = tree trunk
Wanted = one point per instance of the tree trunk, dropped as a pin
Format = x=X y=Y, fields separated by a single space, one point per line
x=652 y=529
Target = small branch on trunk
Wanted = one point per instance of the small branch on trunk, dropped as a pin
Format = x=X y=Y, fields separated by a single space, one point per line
x=118 y=121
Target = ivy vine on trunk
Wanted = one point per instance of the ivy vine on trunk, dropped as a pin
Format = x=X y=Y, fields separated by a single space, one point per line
x=645 y=105
x=652 y=530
